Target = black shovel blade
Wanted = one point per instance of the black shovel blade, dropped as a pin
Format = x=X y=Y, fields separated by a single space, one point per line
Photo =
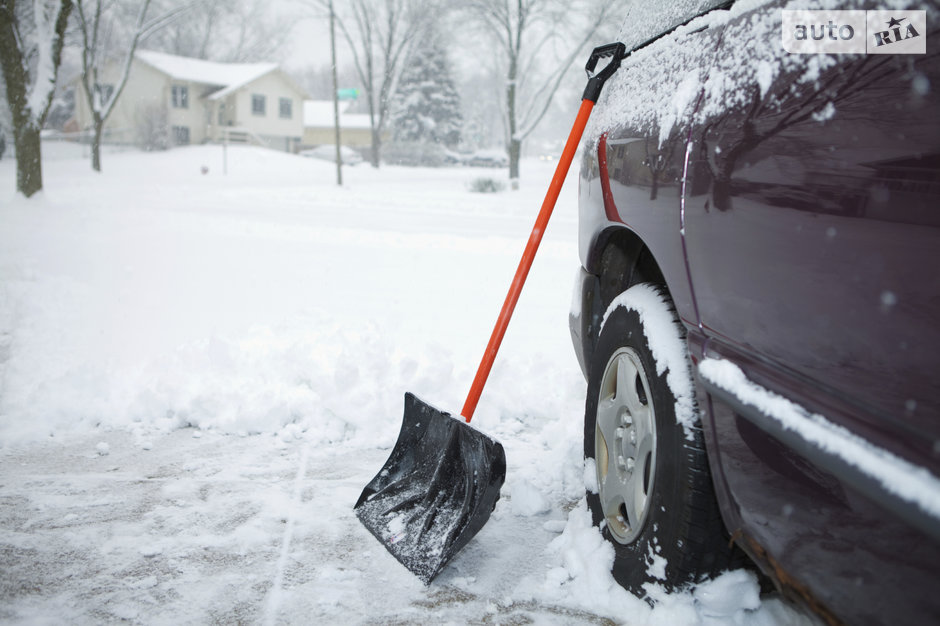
x=435 y=492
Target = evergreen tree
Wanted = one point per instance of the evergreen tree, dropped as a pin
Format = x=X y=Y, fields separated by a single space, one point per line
x=426 y=108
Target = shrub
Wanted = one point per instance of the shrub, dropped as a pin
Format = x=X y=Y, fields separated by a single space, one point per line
x=153 y=131
x=486 y=185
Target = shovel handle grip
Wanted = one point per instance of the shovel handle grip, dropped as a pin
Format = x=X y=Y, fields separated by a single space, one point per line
x=596 y=80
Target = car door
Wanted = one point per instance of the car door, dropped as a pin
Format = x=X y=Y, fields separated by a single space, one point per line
x=812 y=228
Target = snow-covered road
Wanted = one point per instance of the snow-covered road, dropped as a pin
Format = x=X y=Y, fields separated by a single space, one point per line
x=199 y=373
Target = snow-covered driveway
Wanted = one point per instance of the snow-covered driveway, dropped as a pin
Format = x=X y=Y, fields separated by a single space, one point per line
x=227 y=529
x=199 y=373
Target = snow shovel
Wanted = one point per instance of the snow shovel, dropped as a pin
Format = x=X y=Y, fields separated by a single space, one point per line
x=442 y=479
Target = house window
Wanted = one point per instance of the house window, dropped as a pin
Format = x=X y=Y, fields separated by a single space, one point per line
x=285 y=106
x=180 y=96
x=181 y=135
x=257 y=104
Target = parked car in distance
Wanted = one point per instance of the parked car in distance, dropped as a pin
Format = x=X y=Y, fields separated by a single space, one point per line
x=484 y=157
x=758 y=313
x=487 y=158
x=327 y=152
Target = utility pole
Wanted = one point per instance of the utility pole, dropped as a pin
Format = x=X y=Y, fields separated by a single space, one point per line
x=339 y=160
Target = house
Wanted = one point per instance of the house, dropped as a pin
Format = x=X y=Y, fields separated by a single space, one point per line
x=176 y=100
x=319 y=129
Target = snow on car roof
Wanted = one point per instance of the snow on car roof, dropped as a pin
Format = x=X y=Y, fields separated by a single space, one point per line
x=645 y=19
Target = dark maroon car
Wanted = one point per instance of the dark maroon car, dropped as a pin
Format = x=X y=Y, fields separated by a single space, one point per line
x=758 y=314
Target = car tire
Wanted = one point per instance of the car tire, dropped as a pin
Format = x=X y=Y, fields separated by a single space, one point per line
x=653 y=498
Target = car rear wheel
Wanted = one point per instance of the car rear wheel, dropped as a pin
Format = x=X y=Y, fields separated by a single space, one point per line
x=653 y=499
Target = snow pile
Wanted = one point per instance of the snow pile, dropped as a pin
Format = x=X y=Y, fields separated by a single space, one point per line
x=585 y=560
x=299 y=377
x=728 y=595
x=527 y=500
x=581 y=578
x=220 y=310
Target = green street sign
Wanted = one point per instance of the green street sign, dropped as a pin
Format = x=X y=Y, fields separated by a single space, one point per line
x=347 y=94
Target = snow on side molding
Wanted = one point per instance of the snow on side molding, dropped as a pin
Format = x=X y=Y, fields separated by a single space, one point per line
x=914 y=493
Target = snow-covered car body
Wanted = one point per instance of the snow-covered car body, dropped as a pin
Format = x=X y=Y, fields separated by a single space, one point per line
x=790 y=205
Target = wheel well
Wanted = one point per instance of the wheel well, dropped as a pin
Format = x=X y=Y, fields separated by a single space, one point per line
x=621 y=261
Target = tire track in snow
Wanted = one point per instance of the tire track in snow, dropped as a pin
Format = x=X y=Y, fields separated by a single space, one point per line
x=274 y=596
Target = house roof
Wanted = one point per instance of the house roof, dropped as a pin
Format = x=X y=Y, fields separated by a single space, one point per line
x=319 y=114
x=226 y=76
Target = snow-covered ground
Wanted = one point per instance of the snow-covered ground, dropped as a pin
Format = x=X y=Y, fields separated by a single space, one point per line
x=200 y=372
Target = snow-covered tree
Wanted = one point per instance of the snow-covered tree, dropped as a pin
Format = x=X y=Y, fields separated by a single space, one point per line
x=426 y=107
x=32 y=35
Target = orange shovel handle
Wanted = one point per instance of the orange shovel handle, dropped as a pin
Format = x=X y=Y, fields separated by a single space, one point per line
x=541 y=222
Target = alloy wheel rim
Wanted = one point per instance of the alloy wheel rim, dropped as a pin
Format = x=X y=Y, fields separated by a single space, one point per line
x=625 y=445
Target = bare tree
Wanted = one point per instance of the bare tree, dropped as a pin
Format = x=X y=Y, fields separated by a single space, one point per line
x=235 y=31
x=5 y=123
x=258 y=34
x=95 y=28
x=527 y=34
x=193 y=36
x=31 y=39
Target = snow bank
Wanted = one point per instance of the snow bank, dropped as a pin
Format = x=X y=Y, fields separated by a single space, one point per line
x=257 y=301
